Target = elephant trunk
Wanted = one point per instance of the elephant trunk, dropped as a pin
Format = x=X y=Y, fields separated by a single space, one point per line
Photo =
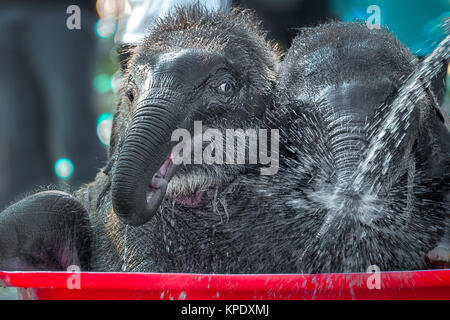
x=144 y=166
x=345 y=116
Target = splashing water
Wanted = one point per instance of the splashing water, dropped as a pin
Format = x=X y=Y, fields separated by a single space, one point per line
x=392 y=127
x=124 y=258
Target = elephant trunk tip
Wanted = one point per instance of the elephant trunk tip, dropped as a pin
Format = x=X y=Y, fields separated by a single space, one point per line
x=147 y=199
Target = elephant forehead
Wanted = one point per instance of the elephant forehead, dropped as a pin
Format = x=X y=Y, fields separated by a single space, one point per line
x=363 y=97
x=191 y=64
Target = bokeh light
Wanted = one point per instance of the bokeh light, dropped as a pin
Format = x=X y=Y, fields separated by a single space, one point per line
x=102 y=83
x=64 y=168
x=104 y=127
x=105 y=28
x=109 y=11
x=111 y=8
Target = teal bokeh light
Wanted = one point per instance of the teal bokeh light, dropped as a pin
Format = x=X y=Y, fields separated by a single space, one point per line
x=64 y=168
x=104 y=127
x=102 y=83
x=105 y=28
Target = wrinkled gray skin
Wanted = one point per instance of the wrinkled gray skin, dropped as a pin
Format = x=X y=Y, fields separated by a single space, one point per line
x=217 y=68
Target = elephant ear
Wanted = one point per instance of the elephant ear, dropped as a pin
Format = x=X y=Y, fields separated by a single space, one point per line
x=48 y=231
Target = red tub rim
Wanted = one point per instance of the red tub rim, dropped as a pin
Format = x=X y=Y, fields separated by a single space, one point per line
x=426 y=284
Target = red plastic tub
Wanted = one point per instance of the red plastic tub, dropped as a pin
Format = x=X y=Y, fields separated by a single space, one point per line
x=432 y=284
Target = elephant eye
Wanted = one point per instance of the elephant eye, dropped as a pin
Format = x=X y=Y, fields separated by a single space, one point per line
x=225 y=88
x=130 y=94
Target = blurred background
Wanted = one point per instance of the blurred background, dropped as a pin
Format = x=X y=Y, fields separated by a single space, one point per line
x=58 y=82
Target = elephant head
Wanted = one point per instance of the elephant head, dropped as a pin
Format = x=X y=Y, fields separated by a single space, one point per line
x=193 y=66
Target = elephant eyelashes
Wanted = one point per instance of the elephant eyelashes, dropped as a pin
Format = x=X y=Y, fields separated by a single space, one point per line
x=130 y=94
x=130 y=89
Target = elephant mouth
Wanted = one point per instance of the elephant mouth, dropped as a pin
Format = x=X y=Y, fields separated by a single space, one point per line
x=157 y=189
x=158 y=185
x=194 y=200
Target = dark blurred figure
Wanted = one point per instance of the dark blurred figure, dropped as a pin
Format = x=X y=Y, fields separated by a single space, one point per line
x=46 y=110
x=282 y=18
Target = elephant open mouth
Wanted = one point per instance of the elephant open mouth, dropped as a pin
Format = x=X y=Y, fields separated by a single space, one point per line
x=159 y=185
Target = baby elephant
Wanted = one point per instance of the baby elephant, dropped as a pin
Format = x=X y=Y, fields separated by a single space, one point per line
x=338 y=202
